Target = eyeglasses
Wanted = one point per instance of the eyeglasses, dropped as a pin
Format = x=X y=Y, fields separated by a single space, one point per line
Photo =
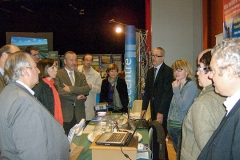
x=201 y=68
x=156 y=56
x=178 y=70
x=88 y=60
x=35 y=55
x=31 y=67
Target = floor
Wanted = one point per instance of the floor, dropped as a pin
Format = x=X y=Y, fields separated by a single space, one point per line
x=171 y=151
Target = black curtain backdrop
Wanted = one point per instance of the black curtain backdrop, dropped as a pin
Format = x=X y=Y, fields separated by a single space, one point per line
x=73 y=29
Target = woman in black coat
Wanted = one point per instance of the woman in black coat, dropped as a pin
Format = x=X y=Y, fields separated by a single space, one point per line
x=114 y=90
x=45 y=90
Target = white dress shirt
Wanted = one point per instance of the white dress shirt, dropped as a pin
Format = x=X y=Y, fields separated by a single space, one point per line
x=231 y=101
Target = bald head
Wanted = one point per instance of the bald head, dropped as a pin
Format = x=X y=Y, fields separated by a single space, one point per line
x=201 y=54
x=13 y=48
x=8 y=48
x=5 y=51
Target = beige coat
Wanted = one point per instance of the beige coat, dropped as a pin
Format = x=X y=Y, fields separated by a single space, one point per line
x=93 y=78
x=202 y=119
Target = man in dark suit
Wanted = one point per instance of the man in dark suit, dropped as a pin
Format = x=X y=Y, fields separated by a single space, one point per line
x=4 y=51
x=73 y=89
x=158 y=88
x=225 y=141
x=27 y=129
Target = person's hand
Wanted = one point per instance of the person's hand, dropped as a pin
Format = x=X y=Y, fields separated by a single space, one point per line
x=143 y=111
x=160 y=118
x=175 y=83
x=81 y=97
x=66 y=88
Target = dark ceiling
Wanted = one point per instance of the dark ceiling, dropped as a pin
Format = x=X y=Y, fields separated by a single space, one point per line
x=78 y=25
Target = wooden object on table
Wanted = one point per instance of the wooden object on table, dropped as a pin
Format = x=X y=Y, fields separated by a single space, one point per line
x=101 y=152
x=75 y=151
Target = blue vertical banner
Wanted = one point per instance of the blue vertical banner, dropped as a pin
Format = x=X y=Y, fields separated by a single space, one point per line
x=130 y=62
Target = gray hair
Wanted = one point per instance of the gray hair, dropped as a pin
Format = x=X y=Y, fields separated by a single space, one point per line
x=161 y=49
x=15 y=64
x=68 y=52
x=228 y=55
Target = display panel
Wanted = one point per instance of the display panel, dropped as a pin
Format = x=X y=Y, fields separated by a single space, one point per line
x=43 y=35
x=40 y=43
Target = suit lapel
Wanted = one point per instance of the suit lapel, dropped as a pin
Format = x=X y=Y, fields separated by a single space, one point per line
x=152 y=75
x=77 y=78
x=159 y=72
x=66 y=78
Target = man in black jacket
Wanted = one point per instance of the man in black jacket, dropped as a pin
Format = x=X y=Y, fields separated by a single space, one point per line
x=158 y=88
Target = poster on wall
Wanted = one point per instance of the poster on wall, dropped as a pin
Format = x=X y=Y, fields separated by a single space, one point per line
x=22 y=42
x=231 y=19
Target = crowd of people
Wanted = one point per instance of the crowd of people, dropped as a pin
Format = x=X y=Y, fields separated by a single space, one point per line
x=205 y=125
x=39 y=104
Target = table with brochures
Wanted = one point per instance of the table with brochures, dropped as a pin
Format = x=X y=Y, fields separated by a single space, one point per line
x=83 y=140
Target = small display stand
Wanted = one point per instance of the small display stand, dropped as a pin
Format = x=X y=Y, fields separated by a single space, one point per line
x=101 y=152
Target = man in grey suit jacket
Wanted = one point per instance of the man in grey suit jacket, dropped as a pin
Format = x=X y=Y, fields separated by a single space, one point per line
x=73 y=89
x=27 y=129
x=4 y=51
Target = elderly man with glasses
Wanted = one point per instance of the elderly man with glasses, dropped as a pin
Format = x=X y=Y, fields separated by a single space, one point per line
x=93 y=78
x=27 y=129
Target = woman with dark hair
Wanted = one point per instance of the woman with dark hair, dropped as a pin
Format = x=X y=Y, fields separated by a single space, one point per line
x=205 y=114
x=114 y=90
x=45 y=91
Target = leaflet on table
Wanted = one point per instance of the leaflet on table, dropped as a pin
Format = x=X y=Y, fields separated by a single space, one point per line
x=76 y=130
x=88 y=129
x=97 y=118
x=142 y=155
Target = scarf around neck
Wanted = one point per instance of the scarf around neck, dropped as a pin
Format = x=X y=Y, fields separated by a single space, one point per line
x=57 y=103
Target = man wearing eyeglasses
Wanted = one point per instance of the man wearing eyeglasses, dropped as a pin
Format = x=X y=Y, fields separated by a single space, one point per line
x=33 y=52
x=4 y=51
x=27 y=129
x=93 y=78
x=158 y=89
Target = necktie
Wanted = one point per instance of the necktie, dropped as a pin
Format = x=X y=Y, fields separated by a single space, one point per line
x=155 y=72
x=71 y=78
